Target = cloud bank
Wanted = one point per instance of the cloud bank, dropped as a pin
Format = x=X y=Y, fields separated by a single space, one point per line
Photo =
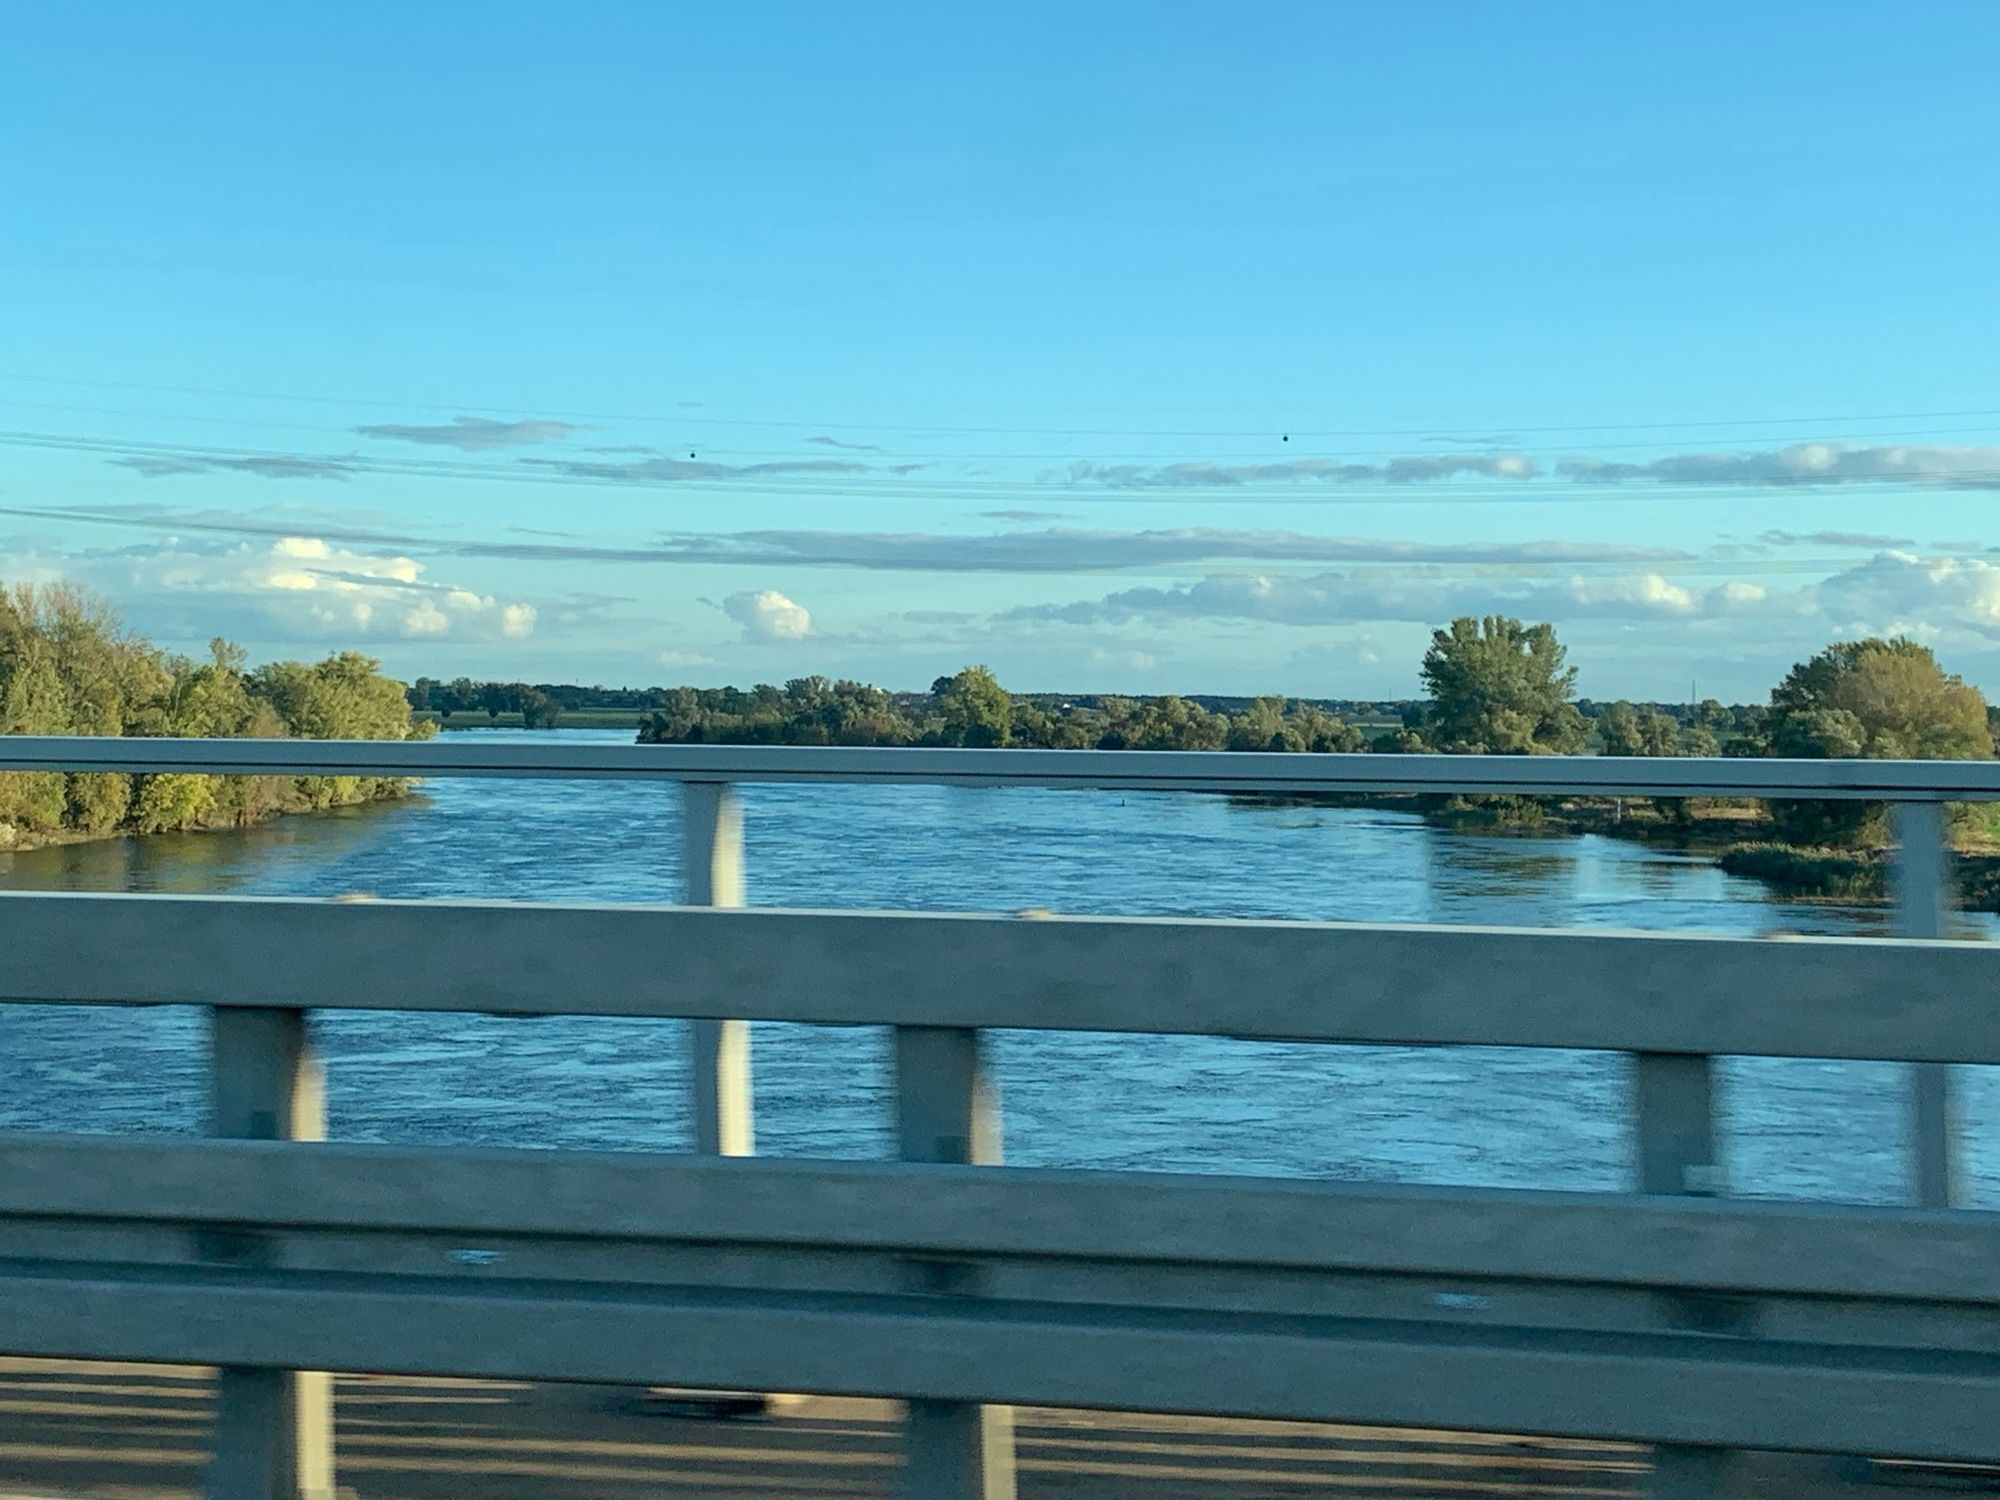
x=1975 y=467
x=472 y=434
x=1411 y=470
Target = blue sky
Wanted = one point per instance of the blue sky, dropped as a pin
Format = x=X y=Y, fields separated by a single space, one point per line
x=1124 y=347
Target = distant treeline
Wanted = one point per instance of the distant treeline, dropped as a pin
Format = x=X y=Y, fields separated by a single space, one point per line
x=68 y=667
x=540 y=706
x=971 y=708
x=819 y=711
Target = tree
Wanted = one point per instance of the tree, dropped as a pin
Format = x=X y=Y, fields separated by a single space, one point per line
x=1262 y=726
x=67 y=666
x=1400 y=742
x=345 y=697
x=1324 y=733
x=497 y=698
x=1625 y=730
x=1173 y=723
x=539 y=710
x=1870 y=699
x=1500 y=687
x=977 y=710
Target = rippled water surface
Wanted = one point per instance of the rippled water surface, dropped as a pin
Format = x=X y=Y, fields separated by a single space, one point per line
x=1492 y=1116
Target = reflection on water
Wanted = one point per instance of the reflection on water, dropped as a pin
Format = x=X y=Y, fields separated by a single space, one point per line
x=1455 y=1115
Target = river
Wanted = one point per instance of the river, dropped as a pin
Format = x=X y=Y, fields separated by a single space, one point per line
x=1458 y=1115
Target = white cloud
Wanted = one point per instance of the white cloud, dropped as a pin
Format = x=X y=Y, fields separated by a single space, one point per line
x=471 y=434
x=767 y=615
x=1867 y=540
x=423 y=618
x=1052 y=549
x=292 y=587
x=1419 y=595
x=683 y=659
x=1896 y=593
x=1968 y=467
x=1062 y=549
x=1199 y=475
x=1892 y=593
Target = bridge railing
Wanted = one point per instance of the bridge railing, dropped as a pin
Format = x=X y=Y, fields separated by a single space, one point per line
x=1674 y=1315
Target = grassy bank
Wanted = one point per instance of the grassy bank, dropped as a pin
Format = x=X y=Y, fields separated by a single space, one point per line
x=1735 y=835
x=1823 y=874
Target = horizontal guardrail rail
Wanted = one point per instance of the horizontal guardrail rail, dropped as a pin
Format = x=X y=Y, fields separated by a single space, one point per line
x=462 y=754
x=1260 y=980
x=472 y=1196
x=1673 y=1315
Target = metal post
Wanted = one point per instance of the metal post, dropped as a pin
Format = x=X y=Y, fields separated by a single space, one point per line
x=948 y=1110
x=1678 y=1155
x=1922 y=886
x=1677 y=1138
x=273 y=1437
x=712 y=861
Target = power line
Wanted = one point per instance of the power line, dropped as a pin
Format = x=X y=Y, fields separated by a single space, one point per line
x=933 y=456
x=1276 y=428
x=873 y=483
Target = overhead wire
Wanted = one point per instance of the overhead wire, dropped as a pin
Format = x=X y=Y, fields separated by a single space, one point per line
x=869 y=452
x=1278 y=428
x=869 y=481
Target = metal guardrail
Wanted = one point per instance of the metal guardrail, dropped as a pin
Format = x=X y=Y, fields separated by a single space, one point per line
x=1673 y=1315
x=463 y=754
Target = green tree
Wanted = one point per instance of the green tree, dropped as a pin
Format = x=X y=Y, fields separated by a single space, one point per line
x=67 y=666
x=1400 y=742
x=211 y=700
x=1263 y=726
x=344 y=697
x=1173 y=723
x=1869 y=699
x=1325 y=733
x=497 y=698
x=1625 y=730
x=1500 y=687
x=977 y=710
x=539 y=710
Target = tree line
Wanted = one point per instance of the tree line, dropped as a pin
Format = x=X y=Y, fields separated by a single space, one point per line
x=971 y=708
x=539 y=708
x=1493 y=686
x=67 y=666
x=1489 y=694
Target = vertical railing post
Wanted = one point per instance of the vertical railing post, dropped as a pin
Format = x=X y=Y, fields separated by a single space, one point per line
x=1922 y=887
x=948 y=1111
x=712 y=863
x=1679 y=1155
x=273 y=1435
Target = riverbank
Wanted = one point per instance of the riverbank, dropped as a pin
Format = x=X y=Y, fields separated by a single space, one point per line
x=1735 y=836
x=279 y=797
